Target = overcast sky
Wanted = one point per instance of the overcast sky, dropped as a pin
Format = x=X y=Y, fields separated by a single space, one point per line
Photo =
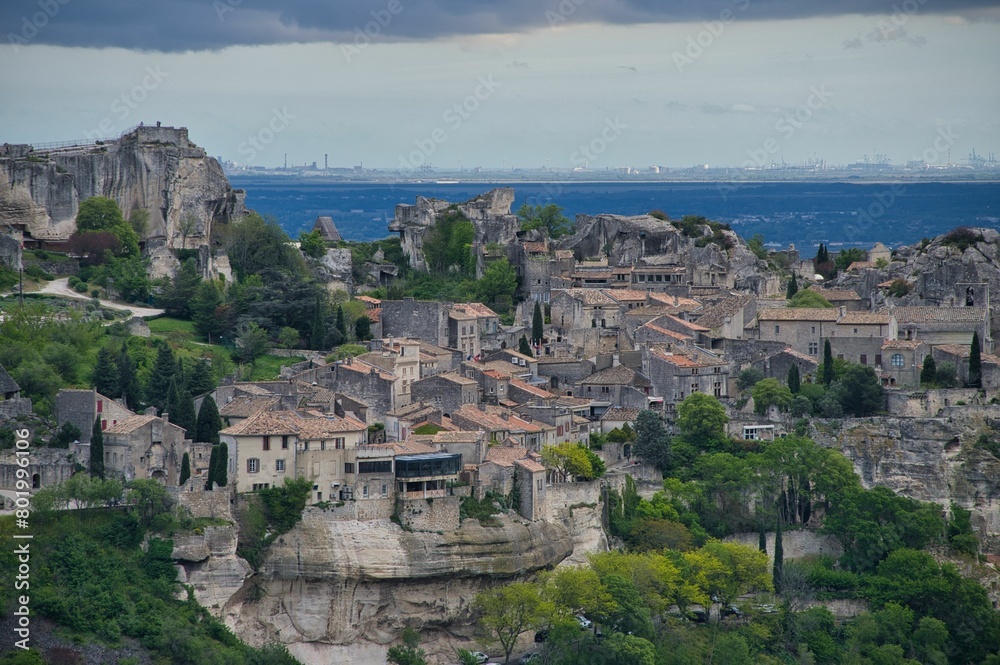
x=598 y=83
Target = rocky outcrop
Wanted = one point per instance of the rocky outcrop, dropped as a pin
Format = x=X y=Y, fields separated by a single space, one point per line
x=930 y=459
x=489 y=213
x=156 y=169
x=338 y=591
x=208 y=563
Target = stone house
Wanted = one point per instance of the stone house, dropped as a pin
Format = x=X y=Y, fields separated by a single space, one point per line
x=324 y=224
x=944 y=325
x=520 y=392
x=446 y=392
x=8 y=386
x=517 y=364
x=958 y=354
x=576 y=309
x=493 y=384
x=556 y=416
x=615 y=386
x=675 y=375
x=463 y=333
x=663 y=278
x=417 y=319
x=801 y=328
x=879 y=251
x=902 y=361
x=471 y=445
x=529 y=475
x=776 y=365
x=727 y=319
x=366 y=383
x=241 y=408
x=271 y=446
x=617 y=417
x=508 y=465
x=563 y=373
x=436 y=359
x=654 y=333
x=144 y=446
x=83 y=407
x=401 y=358
x=399 y=423
x=858 y=336
x=373 y=310
x=845 y=298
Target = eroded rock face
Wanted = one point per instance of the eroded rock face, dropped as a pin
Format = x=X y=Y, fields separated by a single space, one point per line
x=208 y=562
x=153 y=168
x=334 y=589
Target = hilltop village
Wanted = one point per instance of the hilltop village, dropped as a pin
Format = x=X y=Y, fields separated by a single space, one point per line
x=425 y=409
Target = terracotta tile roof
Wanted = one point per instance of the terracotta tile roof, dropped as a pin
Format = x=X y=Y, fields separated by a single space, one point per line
x=486 y=421
x=621 y=413
x=864 y=319
x=716 y=315
x=591 y=297
x=939 y=314
x=130 y=424
x=835 y=294
x=528 y=388
x=408 y=410
x=477 y=309
x=801 y=356
x=457 y=379
x=564 y=253
x=536 y=247
x=252 y=389
x=860 y=265
x=244 y=407
x=505 y=455
x=368 y=300
x=900 y=344
x=362 y=367
x=694 y=327
x=315 y=426
x=530 y=465
x=963 y=351
x=829 y=314
x=458 y=436
x=496 y=374
x=626 y=295
x=664 y=331
x=404 y=448
x=615 y=376
x=590 y=273
x=679 y=360
x=667 y=299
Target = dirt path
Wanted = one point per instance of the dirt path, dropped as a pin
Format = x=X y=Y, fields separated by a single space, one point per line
x=60 y=287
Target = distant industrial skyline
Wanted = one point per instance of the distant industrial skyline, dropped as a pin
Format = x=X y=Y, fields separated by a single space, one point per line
x=561 y=84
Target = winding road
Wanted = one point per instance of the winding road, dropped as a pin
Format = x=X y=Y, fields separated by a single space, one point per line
x=60 y=287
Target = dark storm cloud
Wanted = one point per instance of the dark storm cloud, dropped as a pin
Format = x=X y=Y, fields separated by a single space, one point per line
x=180 y=25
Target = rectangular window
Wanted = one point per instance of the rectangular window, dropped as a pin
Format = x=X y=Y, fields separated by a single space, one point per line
x=348 y=467
x=379 y=466
x=540 y=481
x=100 y=405
x=878 y=359
x=864 y=358
x=267 y=443
x=322 y=445
x=814 y=330
x=777 y=329
x=385 y=490
x=253 y=465
x=279 y=465
x=339 y=443
x=305 y=445
x=364 y=491
x=284 y=442
x=319 y=496
x=813 y=348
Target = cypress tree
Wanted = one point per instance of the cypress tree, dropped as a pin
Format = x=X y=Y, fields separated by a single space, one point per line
x=793 y=288
x=318 y=334
x=106 y=373
x=537 y=324
x=827 y=372
x=159 y=380
x=222 y=465
x=524 y=348
x=341 y=324
x=762 y=538
x=97 y=450
x=173 y=399
x=928 y=373
x=128 y=383
x=779 y=559
x=975 y=363
x=185 y=469
x=185 y=416
x=208 y=425
x=794 y=380
x=201 y=380
x=212 y=461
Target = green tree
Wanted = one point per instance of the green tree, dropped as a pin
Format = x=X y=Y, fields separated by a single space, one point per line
x=702 y=420
x=409 y=653
x=524 y=348
x=138 y=219
x=928 y=373
x=185 y=469
x=148 y=497
x=768 y=393
x=827 y=372
x=505 y=612
x=748 y=378
x=222 y=466
x=630 y=650
x=744 y=570
x=204 y=309
x=317 y=333
x=448 y=244
x=176 y=297
x=363 y=329
x=537 y=324
x=312 y=244
x=859 y=391
x=251 y=344
x=548 y=217
x=255 y=244
x=756 y=245
x=846 y=257
x=809 y=298
x=792 y=288
x=97 y=450
x=498 y=284
x=794 y=380
x=568 y=460
x=822 y=255
x=975 y=363
x=128 y=381
x=100 y=214
x=208 y=423
x=652 y=443
x=341 y=324
x=185 y=415
x=106 y=373
x=213 y=461
x=163 y=373
x=779 y=558
x=66 y=435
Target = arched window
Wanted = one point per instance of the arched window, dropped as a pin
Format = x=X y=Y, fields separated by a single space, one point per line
x=897 y=360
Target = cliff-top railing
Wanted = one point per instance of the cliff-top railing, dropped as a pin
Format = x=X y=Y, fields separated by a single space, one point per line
x=79 y=143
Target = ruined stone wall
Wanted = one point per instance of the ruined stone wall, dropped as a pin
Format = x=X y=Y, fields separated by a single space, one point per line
x=928 y=403
x=437 y=514
x=193 y=496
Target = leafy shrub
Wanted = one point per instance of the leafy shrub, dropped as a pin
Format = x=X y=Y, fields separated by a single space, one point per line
x=35 y=271
x=961 y=238
x=80 y=287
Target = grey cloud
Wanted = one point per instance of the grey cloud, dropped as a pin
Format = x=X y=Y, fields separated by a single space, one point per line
x=183 y=25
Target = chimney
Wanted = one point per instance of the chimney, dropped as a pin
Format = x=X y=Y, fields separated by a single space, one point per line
x=676 y=300
x=843 y=311
x=165 y=417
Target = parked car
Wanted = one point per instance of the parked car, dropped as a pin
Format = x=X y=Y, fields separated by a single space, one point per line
x=541 y=635
x=480 y=656
x=584 y=622
x=732 y=611
x=529 y=658
x=698 y=616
